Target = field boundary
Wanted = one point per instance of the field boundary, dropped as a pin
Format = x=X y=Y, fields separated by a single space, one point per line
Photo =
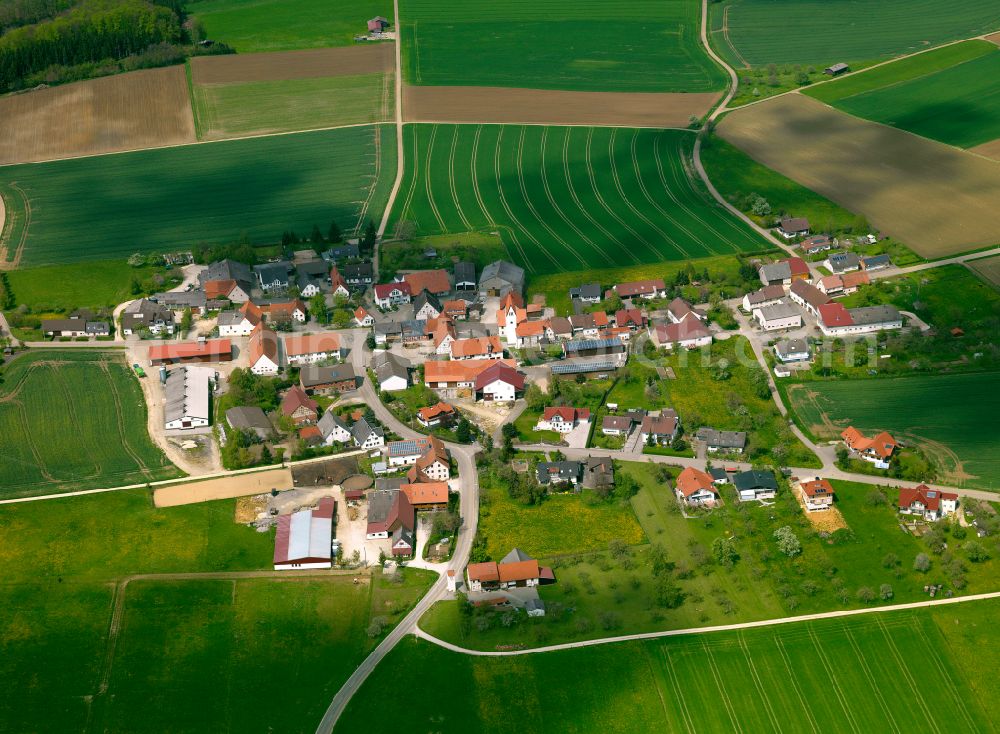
x=8 y=223
x=688 y=631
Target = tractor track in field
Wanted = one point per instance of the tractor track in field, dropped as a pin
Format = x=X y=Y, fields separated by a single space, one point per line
x=949 y=682
x=428 y=189
x=576 y=199
x=120 y=423
x=548 y=194
x=8 y=220
x=600 y=198
x=795 y=685
x=451 y=181
x=482 y=204
x=519 y=162
x=863 y=664
x=363 y=212
x=838 y=692
x=906 y=674
x=506 y=205
x=757 y=681
x=720 y=686
x=678 y=692
x=411 y=191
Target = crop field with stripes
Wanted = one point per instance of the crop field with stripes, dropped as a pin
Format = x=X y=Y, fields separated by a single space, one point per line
x=567 y=198
x=897 y=672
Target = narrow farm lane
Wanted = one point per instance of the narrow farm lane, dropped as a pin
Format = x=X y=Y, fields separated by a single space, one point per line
x=706 y=630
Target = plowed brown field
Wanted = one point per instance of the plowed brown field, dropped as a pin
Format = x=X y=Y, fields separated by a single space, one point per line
x=141 y=109
x=309 y=64
x=538 y=106
x=937 y=199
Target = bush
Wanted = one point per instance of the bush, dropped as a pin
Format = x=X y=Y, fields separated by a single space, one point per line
x=885 y=592
x=668 y=594
x=975 y=551
x=922 y=563
x=890 y=560
x=377 y=626
x=866 y=594
x=724 y=551
x=788 y=542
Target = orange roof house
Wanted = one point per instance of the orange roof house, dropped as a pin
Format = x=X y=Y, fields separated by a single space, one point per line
x=691 y=481
x=878 y=450
x=477 y=347
x=435 y=413
x=433 y=281
x=215 y=289
x=213 y=350
x=426 y=494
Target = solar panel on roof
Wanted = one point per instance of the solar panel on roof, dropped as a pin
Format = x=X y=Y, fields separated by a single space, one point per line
x=562 y=368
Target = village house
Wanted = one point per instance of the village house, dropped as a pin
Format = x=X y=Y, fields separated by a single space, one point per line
x=641 y=289
x=435 y=282
x=144 y=315
x=612 y=348
x=516 y=569
x=778 y=316
x=426 y=306
x=688 y=334
x=273 y=276
x=426 y=495
x=449 y=375
x=558 y=328
x=792 y=350
x=931 y=504
x=817 y=243
x=252 y=419
x=875 y=262
x=439 y=414
x=358 y=275
x=442 y=333
x=587 y=293
x=483 y=347
x=500 y=278
x=362 y=318
x=726 y=441
x=784 y=272
x=836 y=320
x=345 y=251
x=338 y=284
x=392 y=373
x=817 y=494
x=877 y=450
x=589 y=325
x=366 y=435
x=186 y=394
x=499 y=383
x=616 y=425
x=227 y=279
x=660 y=429
x=598 y=472
x=263 y=351
x=559 y=473
x=391 y=516
x=327 y=379
x=298 y=406
x=180 y=300
x=842 y=262
x=766 y=296
x=679 y=309
x=433 y=465
x=755 y=485
x=304 y=539
x=456 y=310
x=563 y=419
x=696 y=488
x=630 y=318
x=312 y=348
x=808 y=296
x=226 y=290
x=284 y=311
x=792 y=227
x=311 y=278
x=203 y=350
x=333 y=429
x=843 y=285
x=234 y=323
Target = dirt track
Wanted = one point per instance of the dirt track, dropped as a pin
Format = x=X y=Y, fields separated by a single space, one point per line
x=935 y=198
x=140 y=109
x=223 y=488
x=990 y=149
x=540 y=106
x=309 y=64
x=994 y=37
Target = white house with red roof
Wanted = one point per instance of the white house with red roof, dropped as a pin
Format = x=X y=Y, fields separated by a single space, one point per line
x=878 y=450
x=931 y=504
x=304 y=538
x=388 y=295
x=362 y=317
x=816 y=493
x=563 y=419
x=689 y=334
x=499 y=383
x=696 y=488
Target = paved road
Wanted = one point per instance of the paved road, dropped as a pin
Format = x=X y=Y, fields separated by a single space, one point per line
x=717 y=628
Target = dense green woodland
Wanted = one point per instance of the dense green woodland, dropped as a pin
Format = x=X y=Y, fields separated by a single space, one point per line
x=51 y=41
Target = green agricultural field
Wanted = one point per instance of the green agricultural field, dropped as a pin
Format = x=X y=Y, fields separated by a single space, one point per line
x=761 y=32
x=72 y=420
x=856 y=674
x=95 y=285
x=168 y=199
x=959 y=105
x=566 y=198
x=253 y=108
x=285 y=25
x=949 y=417
x=546 y=44
x=191 y=654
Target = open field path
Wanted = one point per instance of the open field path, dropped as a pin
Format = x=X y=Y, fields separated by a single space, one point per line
x=400 y=147
x=707 y=630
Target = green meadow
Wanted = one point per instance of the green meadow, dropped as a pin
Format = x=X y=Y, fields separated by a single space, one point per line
x=284 y=25
x=172 y=198
x=591 y=45
x=866 y=673
x=564 y=198
x=761 y=32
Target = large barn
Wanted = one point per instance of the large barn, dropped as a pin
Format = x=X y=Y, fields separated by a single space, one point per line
x=304 y=538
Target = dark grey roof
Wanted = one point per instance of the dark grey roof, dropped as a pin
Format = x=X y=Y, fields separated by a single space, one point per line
x=549 y=471
x=614 y=345
x=98 y=327
x=180 y=299
x=340 y=252
x=718 y=474
x=841 y=261
x=755 y=480
x=876 y=261
x=388 y=327
x=249 y=418
x=791 y=346
x=227 y=270
x=516 y=555
x=501 y=272
x=776 y=271
x=362 y=429
x=384 y=483
x=875 y=315
x=423 y=298
x=357 y=271
x=723 y=439
x=388 y=365
x=329 y=422
x=380 y=505
x=779 y=310
x=312 y=374
x=465 y=272
x=230 y=318
x=273 y=272
x=313 y=269
x=588 y=291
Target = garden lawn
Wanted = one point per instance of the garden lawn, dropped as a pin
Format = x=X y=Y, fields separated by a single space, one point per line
x=74 y=419
x=959 y=105
x=567 y=199
x=749 y=680
x=253 y=108
x=948 y=417
x=283 y=25
x=756 y=32
x=592 y=47
x=100 y=284
x=170 y=199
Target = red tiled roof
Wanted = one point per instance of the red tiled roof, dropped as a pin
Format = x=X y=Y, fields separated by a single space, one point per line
x=798 y=266
x=882 y=444
x=188 y=350
x=476 y=347
x=218 y=288
x=498 y=371
x=566 y=413
x=383 y=290
x=253 y=312
x=433 y=411
x=296 y=346
x=433 y=281
x=689 y=328
x=461 y=371
x=263 y=342
x=426 y=493
x=834 y=314
x=692 y=480
x=817 y=488
x=296 y=398
x=929 y=498
x=639 y=288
